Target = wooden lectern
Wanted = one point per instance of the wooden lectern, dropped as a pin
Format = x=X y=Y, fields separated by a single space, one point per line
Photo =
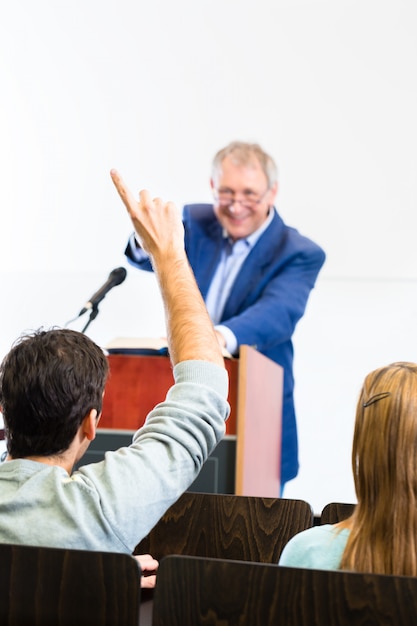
x=138 y=382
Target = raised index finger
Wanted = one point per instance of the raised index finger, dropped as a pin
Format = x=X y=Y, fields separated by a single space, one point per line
x=124 y=192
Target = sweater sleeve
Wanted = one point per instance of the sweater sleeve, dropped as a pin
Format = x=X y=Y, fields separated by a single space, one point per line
x=135 y=485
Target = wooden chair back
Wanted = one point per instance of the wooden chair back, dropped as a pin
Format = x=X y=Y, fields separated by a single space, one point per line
x=191 y=591
x=247 y=528
x=335 y=512
x=67 y=587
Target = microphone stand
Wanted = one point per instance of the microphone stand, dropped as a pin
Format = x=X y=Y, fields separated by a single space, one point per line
x=93 y=315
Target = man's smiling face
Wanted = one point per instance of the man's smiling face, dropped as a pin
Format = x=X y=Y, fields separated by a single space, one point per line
x=242 y=197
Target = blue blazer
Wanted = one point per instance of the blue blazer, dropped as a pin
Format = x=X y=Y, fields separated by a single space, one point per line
x=268 y=297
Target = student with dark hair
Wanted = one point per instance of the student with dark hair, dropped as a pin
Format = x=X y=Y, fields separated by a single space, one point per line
x=51 y=390
x=50 y=381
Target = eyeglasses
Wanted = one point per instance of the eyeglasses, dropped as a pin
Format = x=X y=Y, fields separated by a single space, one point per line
x=226 y=198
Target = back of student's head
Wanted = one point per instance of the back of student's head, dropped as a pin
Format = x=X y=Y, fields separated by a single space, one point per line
x=49 y=381
x=383 y=538
x=384 y=453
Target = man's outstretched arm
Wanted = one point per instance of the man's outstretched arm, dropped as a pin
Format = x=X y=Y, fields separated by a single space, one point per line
x=159 y=228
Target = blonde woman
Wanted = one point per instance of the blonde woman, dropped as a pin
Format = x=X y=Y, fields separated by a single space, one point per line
x=381 y=535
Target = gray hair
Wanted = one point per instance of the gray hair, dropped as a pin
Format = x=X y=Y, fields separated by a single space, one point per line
x=243 y=153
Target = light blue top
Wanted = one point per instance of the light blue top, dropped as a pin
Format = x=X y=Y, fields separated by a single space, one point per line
x=320 y=547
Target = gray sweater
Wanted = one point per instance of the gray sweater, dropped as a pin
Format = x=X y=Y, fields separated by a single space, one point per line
x=112 y=505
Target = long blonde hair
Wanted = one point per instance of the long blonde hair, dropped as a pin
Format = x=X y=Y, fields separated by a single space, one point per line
x=383 y=528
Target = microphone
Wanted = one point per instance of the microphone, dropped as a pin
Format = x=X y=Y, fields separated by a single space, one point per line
x=116 y=277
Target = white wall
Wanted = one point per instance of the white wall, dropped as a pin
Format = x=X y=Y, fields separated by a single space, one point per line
x=328 y=87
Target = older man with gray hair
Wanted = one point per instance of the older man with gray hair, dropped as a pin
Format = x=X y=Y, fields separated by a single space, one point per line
x=255 y=273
